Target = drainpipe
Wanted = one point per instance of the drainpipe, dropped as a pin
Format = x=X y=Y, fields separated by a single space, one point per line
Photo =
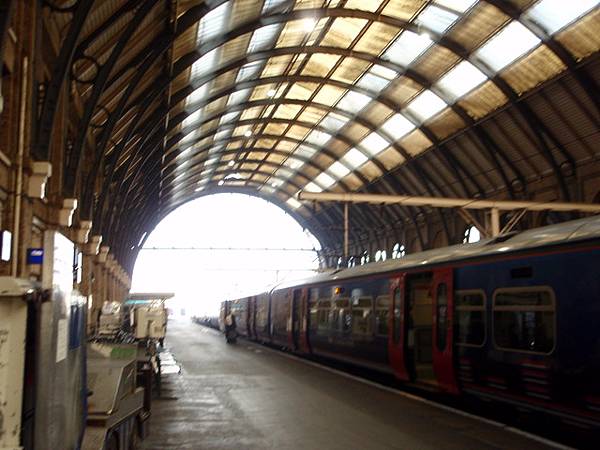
x=19 y=182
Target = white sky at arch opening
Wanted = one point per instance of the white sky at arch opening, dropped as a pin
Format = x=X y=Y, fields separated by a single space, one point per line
x=201 y=279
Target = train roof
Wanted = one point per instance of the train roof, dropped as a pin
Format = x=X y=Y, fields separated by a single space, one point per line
x=572 y=231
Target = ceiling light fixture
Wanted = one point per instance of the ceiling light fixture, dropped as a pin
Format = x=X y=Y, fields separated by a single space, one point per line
x=271 y=93
x=247 y=133
x=231 y=163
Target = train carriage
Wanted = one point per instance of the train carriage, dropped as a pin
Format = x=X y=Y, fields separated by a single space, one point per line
x=512 y=319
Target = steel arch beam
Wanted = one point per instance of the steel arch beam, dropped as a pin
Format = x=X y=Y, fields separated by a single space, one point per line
x=43 y=135
x=72 y=172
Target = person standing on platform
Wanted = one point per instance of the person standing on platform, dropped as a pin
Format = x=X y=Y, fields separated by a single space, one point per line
x=230 y=329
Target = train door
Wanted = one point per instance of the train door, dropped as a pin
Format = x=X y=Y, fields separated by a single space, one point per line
x=396 y=328
x=297 y=317
x=419 y=328
x=443 y=342
x=304 y=323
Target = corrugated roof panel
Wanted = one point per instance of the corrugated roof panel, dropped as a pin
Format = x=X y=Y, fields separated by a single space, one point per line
x=301 y=91
x=376 y=112
x=297 y=132
x=582 y=38
x=287 y=111
x=275 y=128
x=403 y=90
x=365 y=5
x=483 y=100
x=265 y=143
x=376 y=38
x=293 y=34
x=415 y=142
x=320 y=64
x=311 y=114
x=350 y=69
x=482 y=22
x=435 y=62
x=329 y=95
x=370 y=171
x=352 y=181
x=390 y=158
x=445 y=124
x=403 y=9
x=343 y=31
x=261 y=91
x=355 y=131
x=251 y=113
x=539 y=66
x=276 y=66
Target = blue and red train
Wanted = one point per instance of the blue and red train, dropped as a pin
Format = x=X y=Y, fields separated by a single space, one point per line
x=514 y=319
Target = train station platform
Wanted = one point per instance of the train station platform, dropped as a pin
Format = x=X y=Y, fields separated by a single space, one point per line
x=246 y=396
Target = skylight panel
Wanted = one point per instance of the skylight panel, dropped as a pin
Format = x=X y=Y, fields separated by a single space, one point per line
x=325 y=180
x=294 y=163
x=398 y=126
x=354 y=158
x=264 y=38
x=426 y=105
x=333 y=122
x=507 y=46
x=305 y=151
x=384 y=72
x=197 y=94
x=238 y=97
x=213 y=23
x=211 y=161
x=372 y=82
x=293 y=203
x=374 y=143
x=436 y=19
x=317 y=137
x=268 y=189
x=249 y=71
x=229 y=117
x=338 y=170
x=353 y=102
x=223 y=134
x=194 y=117
x=204 y=65
x=463 y=78
x=408 y=47
x=284 y=172
x=554 y=15
x=270 y=5
x=312 y=187
x=456 y=5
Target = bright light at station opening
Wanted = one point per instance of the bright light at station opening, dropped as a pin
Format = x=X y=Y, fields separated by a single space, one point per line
x=202 y=278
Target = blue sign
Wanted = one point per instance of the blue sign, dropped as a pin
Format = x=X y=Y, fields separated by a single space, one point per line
x=35 y=255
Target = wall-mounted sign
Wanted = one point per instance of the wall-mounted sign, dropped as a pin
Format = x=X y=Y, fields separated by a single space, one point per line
x=35 y=256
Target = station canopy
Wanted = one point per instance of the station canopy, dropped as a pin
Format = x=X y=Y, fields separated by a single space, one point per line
x=448 y=98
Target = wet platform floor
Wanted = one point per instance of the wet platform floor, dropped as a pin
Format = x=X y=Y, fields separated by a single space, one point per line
x=247 y=397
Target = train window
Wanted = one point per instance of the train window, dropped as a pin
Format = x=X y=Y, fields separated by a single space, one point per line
x=442 y=315
x=396 y=329
x=470 y=318
x=381 y=315
x=524 y=319
x=361 y=316
x=340 y=316
x=323 y=307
